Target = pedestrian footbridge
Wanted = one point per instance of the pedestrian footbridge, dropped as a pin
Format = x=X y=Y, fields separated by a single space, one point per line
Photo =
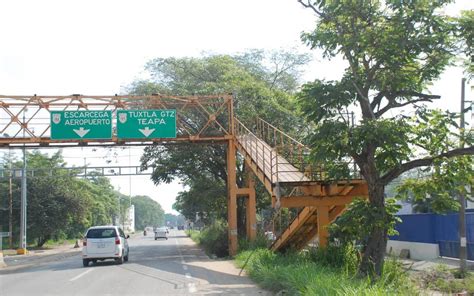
x=282 y=164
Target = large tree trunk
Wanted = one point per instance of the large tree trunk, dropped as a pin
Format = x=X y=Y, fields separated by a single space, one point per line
x=374 y=252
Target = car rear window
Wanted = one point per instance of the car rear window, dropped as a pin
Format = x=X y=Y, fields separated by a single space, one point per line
x=101 y=233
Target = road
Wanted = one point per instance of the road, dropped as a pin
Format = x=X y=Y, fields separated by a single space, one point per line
x=164 y=267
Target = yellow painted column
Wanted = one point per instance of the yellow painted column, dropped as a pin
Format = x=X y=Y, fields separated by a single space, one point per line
x=232 y=197
x=323 y=223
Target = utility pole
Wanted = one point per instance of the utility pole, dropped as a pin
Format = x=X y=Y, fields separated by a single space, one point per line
x=10 y=190
x=22 y=246
x=462 y=201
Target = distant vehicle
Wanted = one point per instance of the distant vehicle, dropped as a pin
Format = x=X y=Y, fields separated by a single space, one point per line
x=180 y=227
x=161 y=232
x=104 y=242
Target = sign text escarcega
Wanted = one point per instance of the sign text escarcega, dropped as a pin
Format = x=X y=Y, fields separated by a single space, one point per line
x=81 y=118
x=76 y=125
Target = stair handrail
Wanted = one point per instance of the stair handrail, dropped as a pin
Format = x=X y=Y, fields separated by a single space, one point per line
x=297 y=150
x=240 y=130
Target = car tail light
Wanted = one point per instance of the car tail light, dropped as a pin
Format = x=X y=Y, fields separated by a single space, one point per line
x=84 y=243
x=117 y=240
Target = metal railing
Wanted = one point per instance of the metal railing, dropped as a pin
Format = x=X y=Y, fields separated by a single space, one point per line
x=298 y=154
x=261 y=153
x=295 y=152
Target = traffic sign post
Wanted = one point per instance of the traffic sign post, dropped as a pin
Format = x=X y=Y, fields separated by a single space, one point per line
x=79 y=125
x=136 y=124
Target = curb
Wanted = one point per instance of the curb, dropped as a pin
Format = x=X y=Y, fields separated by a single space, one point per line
x=41 y=259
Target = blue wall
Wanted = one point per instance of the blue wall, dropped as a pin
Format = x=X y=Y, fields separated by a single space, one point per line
x=432 y=228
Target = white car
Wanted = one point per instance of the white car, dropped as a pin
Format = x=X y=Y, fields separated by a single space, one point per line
x=161 y=232
x=104 y=242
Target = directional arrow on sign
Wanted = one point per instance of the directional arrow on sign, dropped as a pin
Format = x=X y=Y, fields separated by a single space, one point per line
x=81 y=132
x=147 y=131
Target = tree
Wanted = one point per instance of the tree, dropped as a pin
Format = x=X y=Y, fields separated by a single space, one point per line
x=147 y=212
x=55 y=199
x=263 y=84
x=393 y=50
x=174 y=220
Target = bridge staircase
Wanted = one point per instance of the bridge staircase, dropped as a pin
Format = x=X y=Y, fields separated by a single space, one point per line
x=282 y=164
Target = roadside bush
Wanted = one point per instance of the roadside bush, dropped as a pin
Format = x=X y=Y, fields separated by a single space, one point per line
x=344 y=256
x=212 y=238
x=260 y=242
x=194 y=235
x=299 y=274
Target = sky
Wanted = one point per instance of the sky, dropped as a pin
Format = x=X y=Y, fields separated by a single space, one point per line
x=99 y=47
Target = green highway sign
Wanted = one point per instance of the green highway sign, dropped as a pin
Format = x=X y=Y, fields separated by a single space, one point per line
x=135 y=124
x=79 y=125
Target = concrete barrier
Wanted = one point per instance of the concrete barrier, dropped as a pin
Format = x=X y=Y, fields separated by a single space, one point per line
x=418 y=251
x=2 y=262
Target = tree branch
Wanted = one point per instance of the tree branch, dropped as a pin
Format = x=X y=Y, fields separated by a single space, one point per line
x=391 y=175
x=392 y=103
x=364 y=103
x=309 y=5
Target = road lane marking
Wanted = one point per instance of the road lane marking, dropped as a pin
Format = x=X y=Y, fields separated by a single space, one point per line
x=191 y=286
x=82 y=274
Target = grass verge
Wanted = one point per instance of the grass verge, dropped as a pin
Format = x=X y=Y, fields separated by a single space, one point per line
x=446 y=280
x=298 y=274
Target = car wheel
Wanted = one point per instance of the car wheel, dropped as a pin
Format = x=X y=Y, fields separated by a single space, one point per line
x=119 y=260
x=125 y=258
x=166 y=238
x=85 y=262
x=156 y=238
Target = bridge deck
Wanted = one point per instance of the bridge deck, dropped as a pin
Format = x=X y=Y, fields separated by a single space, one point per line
x=275 y=167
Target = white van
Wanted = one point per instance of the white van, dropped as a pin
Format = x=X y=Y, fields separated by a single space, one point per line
x=104 y=242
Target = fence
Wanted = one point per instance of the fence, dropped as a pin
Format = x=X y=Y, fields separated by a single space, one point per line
x=437 y=229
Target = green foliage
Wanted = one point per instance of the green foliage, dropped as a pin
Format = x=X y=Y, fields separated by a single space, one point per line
x=343 y=256
x=174 y=220
x=204 y=196
x=263 y=85
x=213 y=238
x=466 y=33
x=440 y=278
x=298 y=274
x=60 y=206
x=448 y=177
x=260 y=242
x=355 y=224
x=393 y=51
x=195 y=235
x=55 y=202
x=148 y=212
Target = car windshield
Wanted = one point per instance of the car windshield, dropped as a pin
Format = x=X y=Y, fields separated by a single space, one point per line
x=101 y=233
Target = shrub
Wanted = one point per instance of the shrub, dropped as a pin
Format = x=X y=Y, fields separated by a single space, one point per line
x=344 y=256
x=260 y=242
x=213 y=239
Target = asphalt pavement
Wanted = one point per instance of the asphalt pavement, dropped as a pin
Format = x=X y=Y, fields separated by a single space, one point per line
x=176 y=266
